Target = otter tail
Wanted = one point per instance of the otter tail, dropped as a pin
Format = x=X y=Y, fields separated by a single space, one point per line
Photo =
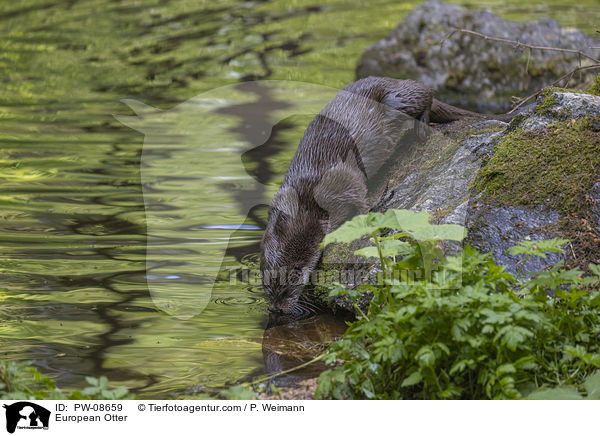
x=445 y=113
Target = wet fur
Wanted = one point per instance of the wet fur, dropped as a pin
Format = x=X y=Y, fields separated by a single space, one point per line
x=330 y=178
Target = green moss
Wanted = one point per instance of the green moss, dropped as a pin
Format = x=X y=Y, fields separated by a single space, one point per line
x=549 y=100
x=481 y=130
x=333 y=261
x=335 y=254
x=441 y=150
x=556 y=168
x=595 y=88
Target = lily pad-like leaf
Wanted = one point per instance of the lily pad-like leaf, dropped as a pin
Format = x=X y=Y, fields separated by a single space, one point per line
x=592 y=387
x=559 y=393
x=417 y=225
x=390 y=247
x=358 y=227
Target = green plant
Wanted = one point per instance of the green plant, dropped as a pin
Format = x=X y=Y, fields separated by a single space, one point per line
x=20 y=381
x=238 y=392
x=459 y=326
x=98 y=390
x=591 y=385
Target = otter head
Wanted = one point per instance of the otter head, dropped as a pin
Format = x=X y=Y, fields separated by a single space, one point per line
x=290 y=250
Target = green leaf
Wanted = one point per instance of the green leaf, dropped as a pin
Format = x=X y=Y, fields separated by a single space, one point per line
x=412 y=379
x=507 y=368
x=414 y=224
x=461 y=365
x=425 y=356
x=120 y=392
x=367 y=388
x=367 y=252
x=103 y=382
x=594 y=268
x=90 y=391
x=559 y=393
x=238 y=392
x=389 y=248
x=357 y=227
x=592 y=386
x=538 y=248
x=513 y=336
x=417 y=225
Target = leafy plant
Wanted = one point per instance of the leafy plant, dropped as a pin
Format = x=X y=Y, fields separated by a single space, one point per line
x=98 y=390
x=19 y=381
x=238 y=392
x=459 y=326
x=591 y=386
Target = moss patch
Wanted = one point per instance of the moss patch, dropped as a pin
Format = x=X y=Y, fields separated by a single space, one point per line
x=336 y=258
x=595 y=88
x=555 y=169
x=438 y=149
x=549 y=100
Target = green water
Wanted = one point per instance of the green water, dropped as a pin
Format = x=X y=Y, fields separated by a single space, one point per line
x=78 y=252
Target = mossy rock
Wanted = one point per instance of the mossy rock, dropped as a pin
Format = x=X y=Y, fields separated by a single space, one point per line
x=595 y=88
x=339 y=264
x=551 y=169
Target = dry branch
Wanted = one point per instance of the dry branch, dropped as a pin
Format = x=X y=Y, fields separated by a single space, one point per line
x=517 y=44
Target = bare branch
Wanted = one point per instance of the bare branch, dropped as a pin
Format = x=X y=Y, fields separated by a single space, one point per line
x=517 y=44
x=566 y=76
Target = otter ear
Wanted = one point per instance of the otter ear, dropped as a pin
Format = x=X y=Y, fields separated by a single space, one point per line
x=286 y=201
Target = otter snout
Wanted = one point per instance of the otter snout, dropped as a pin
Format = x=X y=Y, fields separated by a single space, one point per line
x=284 y=290
x=290 y=305
x=287 y=306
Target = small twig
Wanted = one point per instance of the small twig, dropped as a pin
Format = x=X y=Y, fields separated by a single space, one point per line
x=531 y=47
x=522 y=44
x=277 y=374
x=589 y=67
x=527 y=64
x=361 y=312
x=566 y=85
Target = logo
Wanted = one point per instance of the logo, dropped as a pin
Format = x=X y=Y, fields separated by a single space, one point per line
x=26 y=415
x=220 y=146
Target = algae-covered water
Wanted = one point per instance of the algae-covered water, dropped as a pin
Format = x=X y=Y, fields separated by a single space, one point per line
x=96 y=218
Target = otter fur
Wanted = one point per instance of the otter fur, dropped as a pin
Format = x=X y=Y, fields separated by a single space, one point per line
x=332 y=175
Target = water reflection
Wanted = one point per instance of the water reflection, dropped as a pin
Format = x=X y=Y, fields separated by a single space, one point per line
x=288 y=343
x=197 y=192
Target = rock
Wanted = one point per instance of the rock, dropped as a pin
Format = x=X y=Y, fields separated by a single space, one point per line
x=595 y=196
x=496 y=229
x=442 y=186
x=467 y=70
x=443 y=176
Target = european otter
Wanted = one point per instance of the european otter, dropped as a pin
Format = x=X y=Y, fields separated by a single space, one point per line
x=331 y=176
